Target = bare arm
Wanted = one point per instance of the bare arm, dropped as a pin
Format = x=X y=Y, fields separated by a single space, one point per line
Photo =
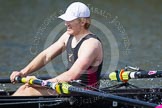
x=43 y=58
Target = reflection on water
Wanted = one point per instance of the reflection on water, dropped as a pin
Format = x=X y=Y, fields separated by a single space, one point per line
x=135 y=25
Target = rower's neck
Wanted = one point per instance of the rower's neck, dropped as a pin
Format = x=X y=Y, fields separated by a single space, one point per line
x=81 y=35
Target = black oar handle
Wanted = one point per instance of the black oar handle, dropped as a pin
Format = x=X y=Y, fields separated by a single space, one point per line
x=124 y=76
x=145 y=74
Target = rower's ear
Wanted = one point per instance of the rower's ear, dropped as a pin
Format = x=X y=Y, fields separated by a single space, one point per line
x=85 y=22
x=82 y=21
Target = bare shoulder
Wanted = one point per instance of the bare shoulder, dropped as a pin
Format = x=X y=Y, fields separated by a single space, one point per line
x=64 y=38
x=60 y=43
x=92 y=45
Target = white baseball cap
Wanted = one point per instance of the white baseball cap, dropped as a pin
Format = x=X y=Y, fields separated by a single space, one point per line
x=74 y=11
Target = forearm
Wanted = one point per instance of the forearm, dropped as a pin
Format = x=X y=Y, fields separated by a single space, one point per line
x=38 y=62
x=42 y=59
x=64 y=77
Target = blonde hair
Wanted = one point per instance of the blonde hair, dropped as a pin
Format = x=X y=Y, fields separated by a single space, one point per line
x=87 y=22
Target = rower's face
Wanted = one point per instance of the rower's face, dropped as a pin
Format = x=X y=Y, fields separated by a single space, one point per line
x=73 y=27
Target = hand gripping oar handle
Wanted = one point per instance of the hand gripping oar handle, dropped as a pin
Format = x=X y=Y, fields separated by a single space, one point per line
x=124 y=76
x=65 y=88
x=60 y=88
x=36 y=81
x=7 y=80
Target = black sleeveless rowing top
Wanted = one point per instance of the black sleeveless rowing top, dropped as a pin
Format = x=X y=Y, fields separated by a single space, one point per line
x=92 y=74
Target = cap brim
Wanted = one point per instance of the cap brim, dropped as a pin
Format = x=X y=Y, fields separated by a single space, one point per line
x=66 y=17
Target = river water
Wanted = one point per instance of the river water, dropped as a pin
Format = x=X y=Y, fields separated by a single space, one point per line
x=130 y=31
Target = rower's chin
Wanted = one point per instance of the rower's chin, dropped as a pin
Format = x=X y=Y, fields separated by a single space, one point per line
x=70 y=32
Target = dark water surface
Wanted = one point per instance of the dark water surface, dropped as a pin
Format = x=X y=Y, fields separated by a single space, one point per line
x=129 y=29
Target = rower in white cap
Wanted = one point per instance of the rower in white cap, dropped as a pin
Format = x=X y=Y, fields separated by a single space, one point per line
x=84 y=54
